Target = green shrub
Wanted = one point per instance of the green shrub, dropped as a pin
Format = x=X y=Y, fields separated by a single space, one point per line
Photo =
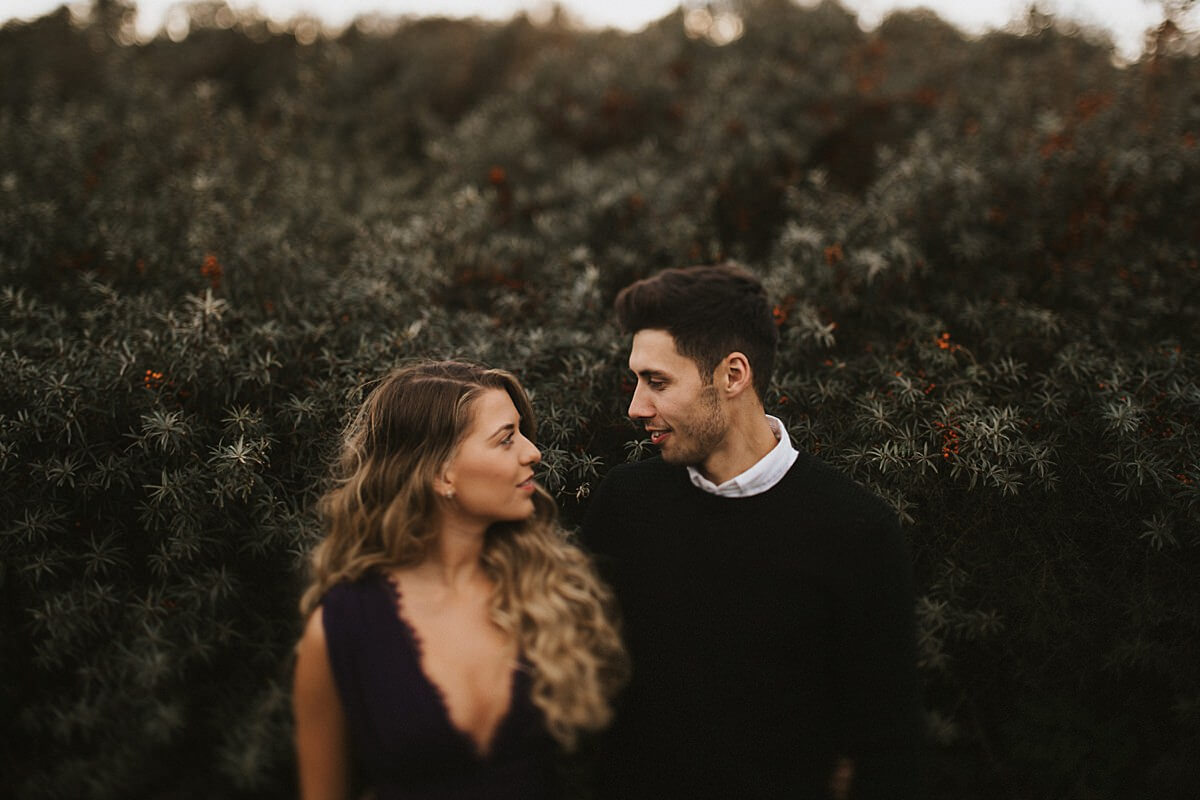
x=987 y=269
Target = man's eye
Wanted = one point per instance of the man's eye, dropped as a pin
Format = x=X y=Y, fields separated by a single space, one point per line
x=656 y=385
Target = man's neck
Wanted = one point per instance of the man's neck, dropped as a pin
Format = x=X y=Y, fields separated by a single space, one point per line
x=747 y=442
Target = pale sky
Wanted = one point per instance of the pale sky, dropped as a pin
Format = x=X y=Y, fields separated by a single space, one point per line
x=1127 y=20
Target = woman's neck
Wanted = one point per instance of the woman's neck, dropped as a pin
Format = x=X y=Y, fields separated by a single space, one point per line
x=454 y=561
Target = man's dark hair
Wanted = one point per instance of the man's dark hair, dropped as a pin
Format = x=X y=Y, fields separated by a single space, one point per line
x=710 y=311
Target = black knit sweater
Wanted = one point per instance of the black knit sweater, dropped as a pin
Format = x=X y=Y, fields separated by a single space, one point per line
x=770 y=635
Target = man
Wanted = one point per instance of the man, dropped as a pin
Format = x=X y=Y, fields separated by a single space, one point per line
x=767 y=598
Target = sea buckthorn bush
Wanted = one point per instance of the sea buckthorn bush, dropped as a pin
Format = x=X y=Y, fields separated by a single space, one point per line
x=985 y=260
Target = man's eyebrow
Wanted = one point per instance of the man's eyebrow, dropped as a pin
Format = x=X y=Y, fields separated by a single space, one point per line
x=653 y=373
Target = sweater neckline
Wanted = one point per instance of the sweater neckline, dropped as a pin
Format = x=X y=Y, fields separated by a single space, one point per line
x=683 y=481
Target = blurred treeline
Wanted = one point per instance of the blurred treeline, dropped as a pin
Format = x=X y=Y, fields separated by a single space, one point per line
x=985 y=254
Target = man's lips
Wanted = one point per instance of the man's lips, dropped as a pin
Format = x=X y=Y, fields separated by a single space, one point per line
x=657 y=436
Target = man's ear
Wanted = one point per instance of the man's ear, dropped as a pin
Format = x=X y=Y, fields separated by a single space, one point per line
x=733 y=374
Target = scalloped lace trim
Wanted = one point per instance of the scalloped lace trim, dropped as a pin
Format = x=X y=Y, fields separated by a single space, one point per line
x=481 y=751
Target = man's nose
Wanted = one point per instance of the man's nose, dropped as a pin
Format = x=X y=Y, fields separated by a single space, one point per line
x=639 y=406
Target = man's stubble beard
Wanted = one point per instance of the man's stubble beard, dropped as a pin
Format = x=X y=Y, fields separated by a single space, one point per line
x=701 y=435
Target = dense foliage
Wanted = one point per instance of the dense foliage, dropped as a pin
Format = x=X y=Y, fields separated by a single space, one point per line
x=986 y=258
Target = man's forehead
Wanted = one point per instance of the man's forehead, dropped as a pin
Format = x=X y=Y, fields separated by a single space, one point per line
x=654 y=350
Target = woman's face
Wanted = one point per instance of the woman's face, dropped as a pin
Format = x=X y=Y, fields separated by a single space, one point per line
x=491 y=474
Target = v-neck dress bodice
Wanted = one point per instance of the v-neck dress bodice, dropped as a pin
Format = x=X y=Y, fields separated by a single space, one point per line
x=403 y=743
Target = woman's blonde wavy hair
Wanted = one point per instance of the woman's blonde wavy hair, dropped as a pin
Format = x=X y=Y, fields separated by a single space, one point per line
x=379 y=513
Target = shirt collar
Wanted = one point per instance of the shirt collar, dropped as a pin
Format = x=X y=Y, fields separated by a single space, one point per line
x=760 y=477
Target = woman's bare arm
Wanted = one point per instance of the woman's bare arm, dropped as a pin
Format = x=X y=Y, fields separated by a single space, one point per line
x=321 y=741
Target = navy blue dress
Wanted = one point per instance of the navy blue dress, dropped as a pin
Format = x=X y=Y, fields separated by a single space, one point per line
x=403 y=744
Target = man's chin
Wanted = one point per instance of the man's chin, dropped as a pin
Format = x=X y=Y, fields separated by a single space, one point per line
x=677 y=458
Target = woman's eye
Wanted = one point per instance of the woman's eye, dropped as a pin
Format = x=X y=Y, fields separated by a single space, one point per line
x=507 y=440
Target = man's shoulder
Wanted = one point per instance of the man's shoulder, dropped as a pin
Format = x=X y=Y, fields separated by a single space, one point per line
x=639 y=473
x=820 y=485
x=632 y=485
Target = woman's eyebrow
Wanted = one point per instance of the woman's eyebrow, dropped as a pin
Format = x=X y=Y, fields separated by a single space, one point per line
x=507 y=427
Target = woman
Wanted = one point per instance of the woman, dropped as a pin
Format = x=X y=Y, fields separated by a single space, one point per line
x=455 y=638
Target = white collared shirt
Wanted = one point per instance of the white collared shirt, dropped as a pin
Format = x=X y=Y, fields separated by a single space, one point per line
x=765 y=473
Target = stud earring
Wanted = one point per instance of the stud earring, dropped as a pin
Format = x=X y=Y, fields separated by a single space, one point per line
x=449 y=494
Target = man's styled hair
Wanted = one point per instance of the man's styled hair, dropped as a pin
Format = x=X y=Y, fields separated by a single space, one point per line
x=710 y=311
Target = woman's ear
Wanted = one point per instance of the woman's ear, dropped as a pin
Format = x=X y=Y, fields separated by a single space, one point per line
x=443 y=484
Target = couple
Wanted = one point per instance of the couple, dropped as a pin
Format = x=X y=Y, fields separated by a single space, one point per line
x=457 y=640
